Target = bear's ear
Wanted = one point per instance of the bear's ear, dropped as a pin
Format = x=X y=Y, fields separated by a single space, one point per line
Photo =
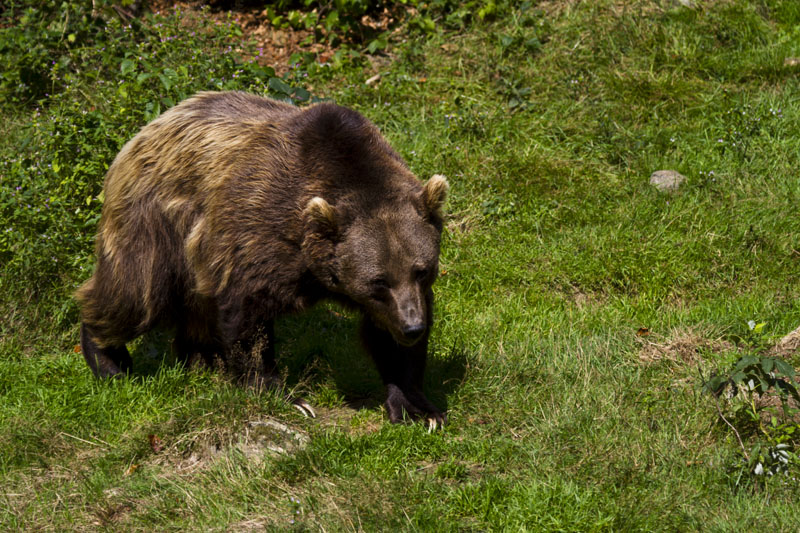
x=321 y=232
x=320 y=217
x=434 y=194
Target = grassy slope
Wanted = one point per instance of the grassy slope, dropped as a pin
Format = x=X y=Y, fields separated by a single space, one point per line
x=557 y=250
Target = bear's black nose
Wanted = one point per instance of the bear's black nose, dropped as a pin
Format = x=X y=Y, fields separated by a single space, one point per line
x=412 y=331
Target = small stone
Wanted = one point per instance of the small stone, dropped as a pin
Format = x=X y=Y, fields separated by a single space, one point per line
x=667 y=180
x=272 y=436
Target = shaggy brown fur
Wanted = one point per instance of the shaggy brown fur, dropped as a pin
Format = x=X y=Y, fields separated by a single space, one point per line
x=230 y=209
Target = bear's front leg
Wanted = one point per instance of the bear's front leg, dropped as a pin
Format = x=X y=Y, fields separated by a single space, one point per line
x=401 y=369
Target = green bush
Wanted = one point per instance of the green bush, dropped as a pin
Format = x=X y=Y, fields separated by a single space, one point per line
x=341 y=20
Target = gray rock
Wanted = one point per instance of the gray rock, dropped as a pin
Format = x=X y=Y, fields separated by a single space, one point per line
x=667 y=180
x=272 y=436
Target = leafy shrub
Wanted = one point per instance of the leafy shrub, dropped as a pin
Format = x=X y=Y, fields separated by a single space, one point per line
x=760 y=398
x=37 y=43
x=340 y=20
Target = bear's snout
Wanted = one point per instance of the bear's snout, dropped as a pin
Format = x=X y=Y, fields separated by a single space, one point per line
x=413 y=332
x=410 y=316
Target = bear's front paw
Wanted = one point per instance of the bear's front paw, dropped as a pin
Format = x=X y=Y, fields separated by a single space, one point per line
x=435 y=421
x=400 y=406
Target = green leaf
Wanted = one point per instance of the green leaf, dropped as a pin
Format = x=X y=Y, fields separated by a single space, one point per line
x=764 y=386
x=487 y=11
x=126 y=66
x=294 y=18
x=738 y=377
x=533 y=44
x=759 y=327
x=767 y=363
x=165 y=81
x=301 y=94
x=332 y=20
x=716 y=384
x=788 y=387
x=279 y=86
x=784 y=368
x=746 y=361
x=427 y=24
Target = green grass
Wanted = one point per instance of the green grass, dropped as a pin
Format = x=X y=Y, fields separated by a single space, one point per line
x=548 y=121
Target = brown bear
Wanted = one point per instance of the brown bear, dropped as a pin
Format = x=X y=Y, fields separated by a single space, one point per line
x=230 y=209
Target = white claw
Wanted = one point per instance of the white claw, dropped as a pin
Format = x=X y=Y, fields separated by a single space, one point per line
x=305 y=408
x=432 y=425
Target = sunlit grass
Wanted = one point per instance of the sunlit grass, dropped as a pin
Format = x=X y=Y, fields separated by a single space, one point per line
x=557 y=252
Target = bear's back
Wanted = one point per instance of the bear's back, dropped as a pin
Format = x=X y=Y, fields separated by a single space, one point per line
x=233 y=106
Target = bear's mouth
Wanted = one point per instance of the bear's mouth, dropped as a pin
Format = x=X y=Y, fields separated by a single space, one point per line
x=408 y=343
x=409 y=338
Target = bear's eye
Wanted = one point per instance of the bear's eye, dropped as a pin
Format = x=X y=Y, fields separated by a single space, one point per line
x=379 y=287
x=422 y=274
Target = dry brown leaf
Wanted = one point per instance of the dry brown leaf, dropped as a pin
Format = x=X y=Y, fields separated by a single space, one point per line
x=155 y=443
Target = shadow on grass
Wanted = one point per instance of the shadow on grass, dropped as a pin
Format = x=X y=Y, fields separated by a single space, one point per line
x=319 y=348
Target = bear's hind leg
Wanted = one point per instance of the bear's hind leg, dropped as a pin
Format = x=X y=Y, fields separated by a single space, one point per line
x=125 y=297
x=104 y=362
x=194 y=354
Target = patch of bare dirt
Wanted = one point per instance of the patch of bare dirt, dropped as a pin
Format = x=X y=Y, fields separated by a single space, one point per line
x=357 y=418
x=585 y=299
x=273 y=46
x=462 y=223
x=788 y=346
x=686 y=347
x=769 y=404
x=557 y=8
x=195 y=452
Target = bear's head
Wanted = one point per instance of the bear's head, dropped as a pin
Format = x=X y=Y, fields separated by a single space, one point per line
x=384 y=258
